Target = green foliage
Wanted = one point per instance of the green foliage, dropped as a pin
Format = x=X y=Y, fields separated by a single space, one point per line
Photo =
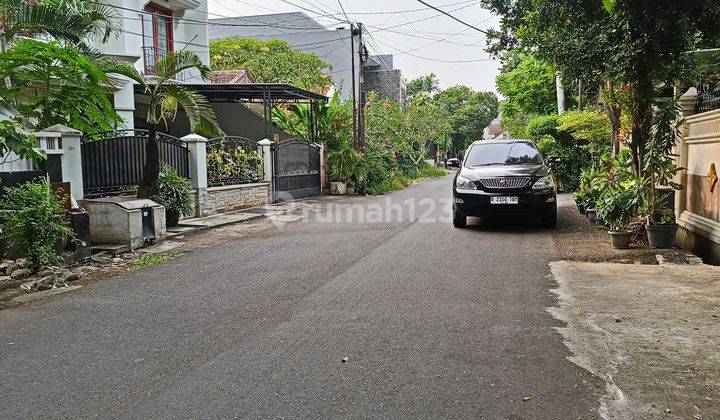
x=659 y=156
x=345 y=162
x=34 y=222
x=327 y=124
x=467 y=111
x=13 y=138
x=150 y=260
x=424 y=84
x=273 y=61
x=226 y=162
x=639 y=45
x=543 y=125
x=621 y=203
x=54 y=84
x=165 y=99
x=590 y=128
x=70 y=21
x=529 y=89
x=174 y=192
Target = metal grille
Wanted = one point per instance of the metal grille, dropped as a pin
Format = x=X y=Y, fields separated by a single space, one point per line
x=296 y=169
x=112 y=162
x=505 y=182
x=233 y=160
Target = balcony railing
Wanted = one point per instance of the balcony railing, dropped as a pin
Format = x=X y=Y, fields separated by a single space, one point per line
x=708 y=98
x=151 y=56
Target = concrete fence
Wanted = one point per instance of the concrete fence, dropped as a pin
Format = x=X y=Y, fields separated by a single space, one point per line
x=211 y=200
x=698 y=205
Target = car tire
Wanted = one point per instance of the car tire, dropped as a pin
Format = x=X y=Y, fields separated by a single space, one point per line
x=459 y=219
x=549 y=218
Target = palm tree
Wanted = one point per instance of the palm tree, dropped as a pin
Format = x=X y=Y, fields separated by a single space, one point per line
x=71 y=21
x=166 y=98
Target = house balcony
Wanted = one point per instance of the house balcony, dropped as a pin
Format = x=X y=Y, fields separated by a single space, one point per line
x=151 y=56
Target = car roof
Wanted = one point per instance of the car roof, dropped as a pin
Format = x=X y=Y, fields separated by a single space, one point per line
x=501 y=141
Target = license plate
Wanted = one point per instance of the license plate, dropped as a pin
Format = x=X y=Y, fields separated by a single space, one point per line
x=503 y=200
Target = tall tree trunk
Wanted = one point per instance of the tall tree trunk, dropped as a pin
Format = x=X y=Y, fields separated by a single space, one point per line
x=151 y=169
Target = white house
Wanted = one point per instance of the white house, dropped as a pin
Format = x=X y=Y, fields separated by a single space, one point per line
x=151 y=29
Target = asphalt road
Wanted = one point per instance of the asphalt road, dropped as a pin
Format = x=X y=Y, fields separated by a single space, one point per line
x=434 y=321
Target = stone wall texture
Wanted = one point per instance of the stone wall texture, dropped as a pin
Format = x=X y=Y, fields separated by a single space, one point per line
x=387 y=84
x=233 y=197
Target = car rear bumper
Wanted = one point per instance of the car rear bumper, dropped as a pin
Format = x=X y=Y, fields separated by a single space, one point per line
x=477 y=202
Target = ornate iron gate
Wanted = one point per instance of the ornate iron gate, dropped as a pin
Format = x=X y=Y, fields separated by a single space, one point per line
x=113 y=162
x=296 y=170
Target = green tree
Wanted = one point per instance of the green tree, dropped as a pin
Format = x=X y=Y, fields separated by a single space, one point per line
x=327 y=123
x=165 y=99
x=639 y=44
x=467 y=111
x=428 y=84
x=54 y=84
x=273 y=61
x=71 y=21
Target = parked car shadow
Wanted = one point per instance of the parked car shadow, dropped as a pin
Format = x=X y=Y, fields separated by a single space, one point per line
x=507 y=224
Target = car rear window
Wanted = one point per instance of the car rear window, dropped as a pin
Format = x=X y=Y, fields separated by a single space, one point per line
x=487 y=154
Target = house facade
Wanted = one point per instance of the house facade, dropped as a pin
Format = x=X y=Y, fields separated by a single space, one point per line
x=151 y=30
x=381 y=76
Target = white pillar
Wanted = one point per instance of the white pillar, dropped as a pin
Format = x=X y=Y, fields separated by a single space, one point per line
x=125 y=104
x=198 y=159
x=688 y=104
x=198 y=171
x=267 y=159
x=560 y=91
x=71 y=158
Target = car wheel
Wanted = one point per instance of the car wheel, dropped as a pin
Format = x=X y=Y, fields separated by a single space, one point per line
x=459 y=219
x=549 y=218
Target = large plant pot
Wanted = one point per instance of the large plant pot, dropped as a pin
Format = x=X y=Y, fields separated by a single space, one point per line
x=591 y=215
x=338 y=188
x=172 y=218
x=661 y=236
x=620 y=240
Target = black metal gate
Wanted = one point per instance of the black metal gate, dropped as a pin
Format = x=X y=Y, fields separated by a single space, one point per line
x=113 y=162
x=296 y=170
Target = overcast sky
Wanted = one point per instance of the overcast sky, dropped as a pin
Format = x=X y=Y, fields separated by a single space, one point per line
x=420 y=38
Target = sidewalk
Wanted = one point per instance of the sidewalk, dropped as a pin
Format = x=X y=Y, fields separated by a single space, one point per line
x=652 y=333
x=647 y=327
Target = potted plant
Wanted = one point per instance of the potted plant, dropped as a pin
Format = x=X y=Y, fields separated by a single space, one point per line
x=345 y=163
x=175 y=194
x=660 y=166
x=579 y=197
x=618 y=206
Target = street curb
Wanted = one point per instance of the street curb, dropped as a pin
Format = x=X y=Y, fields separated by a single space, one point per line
x=201 y=229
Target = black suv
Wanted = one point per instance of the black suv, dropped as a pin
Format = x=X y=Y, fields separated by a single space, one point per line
x=504 y=177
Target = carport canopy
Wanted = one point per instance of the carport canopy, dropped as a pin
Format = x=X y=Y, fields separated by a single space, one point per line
x=268 y=94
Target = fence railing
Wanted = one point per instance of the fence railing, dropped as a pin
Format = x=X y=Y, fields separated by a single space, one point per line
x=233 y=160
x=708 y=98
x=113 y=162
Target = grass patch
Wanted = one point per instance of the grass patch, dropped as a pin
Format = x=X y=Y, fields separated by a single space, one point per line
x=150 y=260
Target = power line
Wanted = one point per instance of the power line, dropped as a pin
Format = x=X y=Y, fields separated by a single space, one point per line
x=453 y=17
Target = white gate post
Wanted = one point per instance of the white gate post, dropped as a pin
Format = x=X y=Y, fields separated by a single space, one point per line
x=197 y=147
x=71 y=159
x=267 y=159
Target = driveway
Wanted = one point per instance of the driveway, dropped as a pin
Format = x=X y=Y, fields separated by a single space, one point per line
x=430 y=320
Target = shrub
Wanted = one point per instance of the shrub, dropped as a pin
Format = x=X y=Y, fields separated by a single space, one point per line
x=174 y=192
x=34 y=222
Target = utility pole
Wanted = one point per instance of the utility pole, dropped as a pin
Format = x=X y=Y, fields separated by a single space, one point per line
x=354 y=98
x=361 y=109
x=560 y=93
